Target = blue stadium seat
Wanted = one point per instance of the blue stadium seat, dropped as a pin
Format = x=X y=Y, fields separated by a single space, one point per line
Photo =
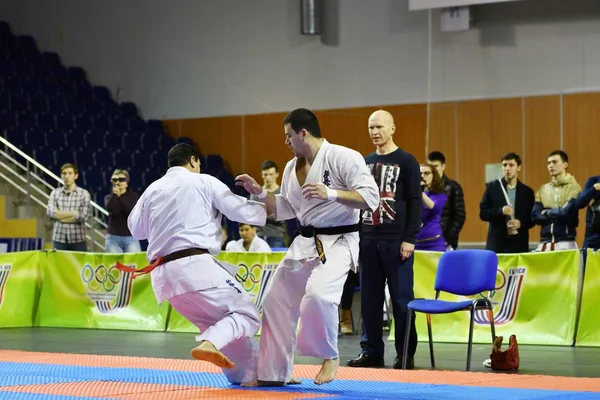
x=5 y=29
x=54 y=112
x=186 y=140
x=101 y=93
x=213 y=164
x=45 y=156
x=137 y=124
x=155 y=126
x=122 y=159
x=64 y=155
x=77 y=74
x=164 y=141
x=129 y=109
x=94 y=177
x=94 y=140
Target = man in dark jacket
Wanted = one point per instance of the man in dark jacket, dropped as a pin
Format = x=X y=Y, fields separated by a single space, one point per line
x=590 y=198
x=454 y=215
x=507 y=205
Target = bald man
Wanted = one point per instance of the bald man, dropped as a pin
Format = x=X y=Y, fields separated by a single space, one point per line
x=387 y=244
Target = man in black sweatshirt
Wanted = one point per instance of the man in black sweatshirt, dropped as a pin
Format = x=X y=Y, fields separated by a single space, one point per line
x=119 y=205
x=387 y=243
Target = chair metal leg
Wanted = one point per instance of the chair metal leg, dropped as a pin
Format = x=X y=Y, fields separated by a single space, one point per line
x=492 y=326
x=406 y=338
x=431 y=356
x=470 y=339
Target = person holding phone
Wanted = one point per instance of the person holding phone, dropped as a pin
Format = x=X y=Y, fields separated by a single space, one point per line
x=119 y=205
x=431 y=235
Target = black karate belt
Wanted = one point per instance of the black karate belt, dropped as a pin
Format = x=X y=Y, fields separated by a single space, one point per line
x=311 y=231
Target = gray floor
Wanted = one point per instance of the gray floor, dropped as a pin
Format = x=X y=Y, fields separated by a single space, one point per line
x=543 y=360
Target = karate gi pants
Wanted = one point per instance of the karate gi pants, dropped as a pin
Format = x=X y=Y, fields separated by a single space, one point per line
x=309 y=291
x=228 y=318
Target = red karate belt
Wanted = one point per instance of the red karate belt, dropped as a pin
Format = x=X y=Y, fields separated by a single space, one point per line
x=160 y=260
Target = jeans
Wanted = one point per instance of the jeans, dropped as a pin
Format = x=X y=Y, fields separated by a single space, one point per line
x=275 y=242
x=122 y=244
x=78 y=246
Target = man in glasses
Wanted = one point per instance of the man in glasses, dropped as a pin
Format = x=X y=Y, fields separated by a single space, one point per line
x=119 y=205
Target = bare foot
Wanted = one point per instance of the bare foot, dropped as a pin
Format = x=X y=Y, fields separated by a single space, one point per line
x=253 y=383
x=294 y=381
x=328 y=371
x=208 y=352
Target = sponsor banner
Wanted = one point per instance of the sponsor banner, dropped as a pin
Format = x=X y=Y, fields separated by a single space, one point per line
x=86 y=290
x=588 y=333
x=19 y=287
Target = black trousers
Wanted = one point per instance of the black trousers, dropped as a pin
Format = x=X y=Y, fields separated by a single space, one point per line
x=348 y=293
x=380 y=261
x=77 y=246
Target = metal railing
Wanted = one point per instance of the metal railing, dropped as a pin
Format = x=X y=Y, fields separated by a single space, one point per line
x=28 y=177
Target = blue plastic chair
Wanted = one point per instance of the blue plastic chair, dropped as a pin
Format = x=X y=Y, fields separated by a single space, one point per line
x=463 y=273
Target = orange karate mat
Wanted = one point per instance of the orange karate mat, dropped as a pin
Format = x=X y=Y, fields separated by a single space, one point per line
x=51 y=376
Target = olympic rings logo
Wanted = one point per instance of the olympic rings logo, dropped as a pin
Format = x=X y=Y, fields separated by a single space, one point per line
x=249 y=277
x=100 y=277
x=500 y=283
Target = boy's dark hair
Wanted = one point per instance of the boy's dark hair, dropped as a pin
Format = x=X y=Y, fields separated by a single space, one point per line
x=511 y=156
x=69 y=165
x=437 y=156
x=563 y=156
x=268 y=164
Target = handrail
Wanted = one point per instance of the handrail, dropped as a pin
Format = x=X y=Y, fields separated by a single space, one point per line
x=15 y=173
x=32 y=189
x=46 y=170
x=41 y=203
x=24 y=168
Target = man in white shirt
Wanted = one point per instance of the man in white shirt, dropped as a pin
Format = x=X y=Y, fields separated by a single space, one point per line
x=249 y=241
x=324 y=186
x=180 y=216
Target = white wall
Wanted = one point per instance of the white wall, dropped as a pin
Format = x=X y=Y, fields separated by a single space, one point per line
x=195 y=58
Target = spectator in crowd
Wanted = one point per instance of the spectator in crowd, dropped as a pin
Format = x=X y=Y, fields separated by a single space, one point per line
x=590 y=198
x=454 y=214
x=506 y=205
x=431 y=237
x=558 y=232
x=69 y=206
x=249 y=241
x=387 y=243
x=119 y=205
x=274 y=231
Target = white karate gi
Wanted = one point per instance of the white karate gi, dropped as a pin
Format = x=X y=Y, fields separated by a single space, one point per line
x=302 y=286
x=183 y=210
x=258 y=245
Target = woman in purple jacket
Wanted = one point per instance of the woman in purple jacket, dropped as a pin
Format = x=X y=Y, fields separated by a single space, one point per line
x=430 y=237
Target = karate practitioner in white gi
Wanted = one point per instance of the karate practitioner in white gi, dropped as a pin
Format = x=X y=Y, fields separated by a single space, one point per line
x=324 y=186
x=180 y=216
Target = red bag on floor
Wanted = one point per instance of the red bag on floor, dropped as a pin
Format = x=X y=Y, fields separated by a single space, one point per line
x=507 y=360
